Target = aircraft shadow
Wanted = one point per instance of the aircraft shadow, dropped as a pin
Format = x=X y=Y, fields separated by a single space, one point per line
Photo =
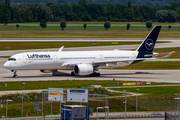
x=110 y=75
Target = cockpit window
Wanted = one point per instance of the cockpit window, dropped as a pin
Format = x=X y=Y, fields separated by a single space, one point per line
x=11 y=59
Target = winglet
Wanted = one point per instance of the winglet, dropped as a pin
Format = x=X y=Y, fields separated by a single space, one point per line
x=60 y=49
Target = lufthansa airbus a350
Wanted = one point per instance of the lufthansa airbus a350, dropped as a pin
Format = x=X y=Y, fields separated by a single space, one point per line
x=83 y=62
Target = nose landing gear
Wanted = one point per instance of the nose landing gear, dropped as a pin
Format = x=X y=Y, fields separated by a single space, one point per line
x=15 y=75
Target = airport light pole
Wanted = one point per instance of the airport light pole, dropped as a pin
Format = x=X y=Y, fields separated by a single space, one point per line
x=50 y=98
x=136 y=99
x=7 y=107
x=60 y=108
x=125 y=104
x=179 y=105
x=107 y=107
x=22 y=100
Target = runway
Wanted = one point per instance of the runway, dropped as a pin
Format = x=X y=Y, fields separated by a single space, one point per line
x=126 y=75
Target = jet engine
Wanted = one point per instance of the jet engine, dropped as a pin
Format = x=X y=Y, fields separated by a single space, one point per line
x=48 y=71
x=83 y=69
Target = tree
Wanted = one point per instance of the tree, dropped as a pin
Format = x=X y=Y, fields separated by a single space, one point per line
x=128 y=14
x=107 y=25
x=86 y=17
x=129 y=4
x=63 y=25
x=85 y=25
x=178 y=11
x=7 y=2
x=83 y=5
x=161 y=15
x=172 y=16
x=5 y=14
x=166 y=15
x=148 y=24
x=17 y=25
x=43 y=24
x=169 y=27
x=128 y=26
x=44 y=13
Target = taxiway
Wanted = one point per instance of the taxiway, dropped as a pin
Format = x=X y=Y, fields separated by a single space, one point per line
x=126 y=75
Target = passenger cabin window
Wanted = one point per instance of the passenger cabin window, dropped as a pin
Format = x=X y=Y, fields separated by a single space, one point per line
x=11 y=59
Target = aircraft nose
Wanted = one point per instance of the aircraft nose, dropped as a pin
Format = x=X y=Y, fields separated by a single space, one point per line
x=7 y=65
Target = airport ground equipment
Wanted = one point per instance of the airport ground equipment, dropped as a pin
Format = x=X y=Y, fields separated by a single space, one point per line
x=75 y=112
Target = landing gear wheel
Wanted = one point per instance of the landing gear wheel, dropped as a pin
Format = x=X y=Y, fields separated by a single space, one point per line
x=72 y=73
x=15 y=75
x=95 y=74
x=98 y=74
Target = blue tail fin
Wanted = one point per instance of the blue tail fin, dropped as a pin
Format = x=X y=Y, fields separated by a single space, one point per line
x=148 y=44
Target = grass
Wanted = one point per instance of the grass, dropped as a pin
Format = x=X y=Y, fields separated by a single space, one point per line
x=94 y=30
x=153 y=91
x=34 y=85
x=44 y=45
x=156 y=98
x=164 y=50
x=83 y=34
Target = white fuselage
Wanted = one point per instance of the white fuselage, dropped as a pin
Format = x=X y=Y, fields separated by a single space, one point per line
x=57 y=60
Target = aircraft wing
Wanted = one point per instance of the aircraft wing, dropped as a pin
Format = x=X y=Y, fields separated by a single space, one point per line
x=121 y=60
x=104 y=61
x=73 y=64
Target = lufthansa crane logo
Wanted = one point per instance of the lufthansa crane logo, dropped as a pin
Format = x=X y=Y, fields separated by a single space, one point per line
x=149 y=44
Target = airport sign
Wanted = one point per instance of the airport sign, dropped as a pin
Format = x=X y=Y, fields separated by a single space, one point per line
x=3 y=117
x=55 y=94
x=36 y=106
x=77 y=95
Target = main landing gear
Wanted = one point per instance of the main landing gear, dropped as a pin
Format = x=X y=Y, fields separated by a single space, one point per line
x=91 y=75
x=15 y=73
x=95 y=74
x=72 y=73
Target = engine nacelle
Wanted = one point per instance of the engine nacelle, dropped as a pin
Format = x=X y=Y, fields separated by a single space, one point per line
x=83 y=69
x=48 y=71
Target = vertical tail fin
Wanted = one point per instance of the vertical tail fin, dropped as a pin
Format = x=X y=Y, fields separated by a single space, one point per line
x=148 y=44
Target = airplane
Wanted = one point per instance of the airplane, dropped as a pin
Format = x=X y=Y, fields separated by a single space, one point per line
x=83 y=63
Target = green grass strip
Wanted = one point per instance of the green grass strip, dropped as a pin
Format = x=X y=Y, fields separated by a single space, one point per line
x=44 y=45
x=153 y=91
x=34 y=85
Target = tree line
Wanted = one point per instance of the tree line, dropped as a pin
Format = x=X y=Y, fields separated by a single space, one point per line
x=84 y=11
x=153 y=3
